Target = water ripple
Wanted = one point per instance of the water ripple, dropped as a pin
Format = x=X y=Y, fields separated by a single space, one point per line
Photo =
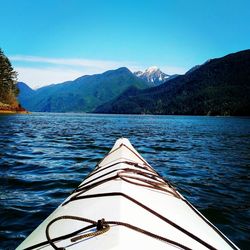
x=43 y=157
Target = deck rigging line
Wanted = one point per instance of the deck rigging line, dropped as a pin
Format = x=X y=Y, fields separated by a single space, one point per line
x=142 y=175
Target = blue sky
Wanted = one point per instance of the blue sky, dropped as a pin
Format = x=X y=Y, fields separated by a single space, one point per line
x=50 y=41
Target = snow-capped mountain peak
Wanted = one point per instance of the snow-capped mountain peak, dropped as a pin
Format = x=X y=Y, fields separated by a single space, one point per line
x=153 y=75
x=152 y=69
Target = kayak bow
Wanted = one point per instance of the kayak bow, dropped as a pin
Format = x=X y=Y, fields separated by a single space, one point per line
x=125 y=204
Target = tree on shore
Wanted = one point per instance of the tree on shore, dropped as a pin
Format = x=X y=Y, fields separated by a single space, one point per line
x=8 y=79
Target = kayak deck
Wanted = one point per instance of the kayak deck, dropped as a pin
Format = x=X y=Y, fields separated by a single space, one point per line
x=140 y=210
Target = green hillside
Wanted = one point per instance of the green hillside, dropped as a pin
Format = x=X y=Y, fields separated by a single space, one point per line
x=83 y=94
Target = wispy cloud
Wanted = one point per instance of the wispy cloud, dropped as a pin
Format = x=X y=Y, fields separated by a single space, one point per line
x=42 y=71
x=89 y=63
x=38 y=77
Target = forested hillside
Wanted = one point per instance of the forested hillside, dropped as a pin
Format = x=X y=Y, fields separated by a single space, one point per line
x=83 y=94
x=220 y=86
x=8 y=87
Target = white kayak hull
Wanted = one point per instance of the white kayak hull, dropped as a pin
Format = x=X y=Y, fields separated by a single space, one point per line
x=124 y=188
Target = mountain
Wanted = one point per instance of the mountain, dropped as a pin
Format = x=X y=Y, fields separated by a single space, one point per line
x=81 y=95
x=24 y=91
x=153 y=75
x=220 y=86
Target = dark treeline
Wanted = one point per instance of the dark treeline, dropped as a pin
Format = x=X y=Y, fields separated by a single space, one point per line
x=8 y=79
x=218 y=87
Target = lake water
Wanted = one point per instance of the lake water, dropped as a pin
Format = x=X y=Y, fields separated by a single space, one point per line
x=43 y=157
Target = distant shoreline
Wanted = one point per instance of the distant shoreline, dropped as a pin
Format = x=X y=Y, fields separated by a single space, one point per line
x=12 y=109
x=113 y=114
x=3 y=112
